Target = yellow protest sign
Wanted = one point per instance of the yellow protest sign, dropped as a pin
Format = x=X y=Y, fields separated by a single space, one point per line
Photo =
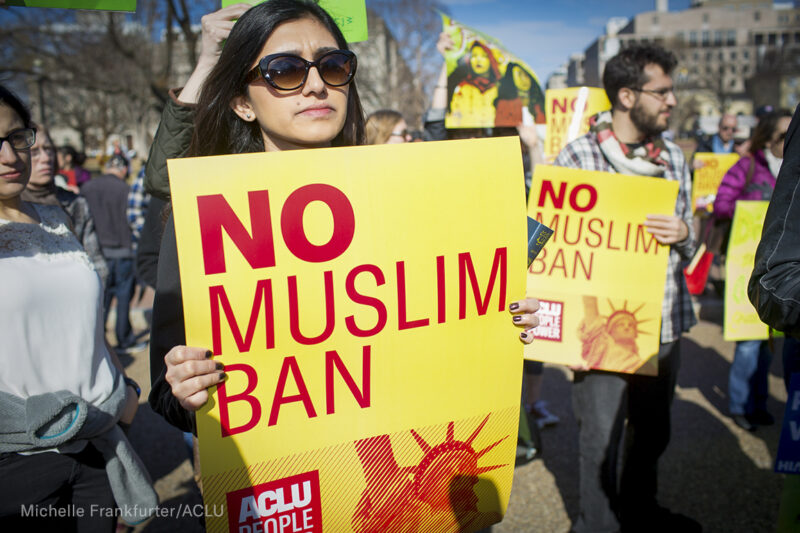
x=600 y=279
x=488 y=86
x=741 y=321
x=358 y=299
x=563 y=124
x=708 y=177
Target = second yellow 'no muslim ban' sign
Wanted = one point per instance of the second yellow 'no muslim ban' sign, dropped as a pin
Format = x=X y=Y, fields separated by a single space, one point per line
x=358 y=299
x=600 y=279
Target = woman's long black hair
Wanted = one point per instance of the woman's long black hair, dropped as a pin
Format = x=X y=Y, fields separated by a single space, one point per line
x=217 y=129
x=10 y=99
x=765 y=129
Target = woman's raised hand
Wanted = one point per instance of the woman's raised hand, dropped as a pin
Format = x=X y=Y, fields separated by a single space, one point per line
x=524 y=317
x=216 y=27
x=190 y=372
x=445 y=43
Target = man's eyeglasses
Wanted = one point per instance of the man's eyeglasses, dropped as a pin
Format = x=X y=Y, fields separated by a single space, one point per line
x=287 y=72
x=20 y=139
x=661 y=94
x=727 y=128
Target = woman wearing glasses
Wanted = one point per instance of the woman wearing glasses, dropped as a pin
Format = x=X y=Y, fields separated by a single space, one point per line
x=42 y=189
x=752 y=178
x=283 y=81
x=62 y=391
x=387 y=127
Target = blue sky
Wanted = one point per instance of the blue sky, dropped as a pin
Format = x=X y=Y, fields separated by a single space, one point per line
x=544 y=33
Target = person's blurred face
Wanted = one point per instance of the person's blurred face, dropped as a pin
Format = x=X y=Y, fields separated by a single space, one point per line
x=778 y=136
x=310 y=116
x=43 y=160
x=650 y=113
x=521 y=79
x=15 y=165
x=399 y=133
x=727 y=127
x=479 y=60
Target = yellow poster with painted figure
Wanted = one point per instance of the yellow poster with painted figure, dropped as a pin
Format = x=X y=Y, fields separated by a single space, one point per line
x=741 y=321
x=708 y=177
x=600 y=279
x=564 y=124
x=487 y=85
x=358 y=299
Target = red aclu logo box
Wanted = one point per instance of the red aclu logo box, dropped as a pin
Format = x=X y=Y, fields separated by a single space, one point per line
x=288 y=505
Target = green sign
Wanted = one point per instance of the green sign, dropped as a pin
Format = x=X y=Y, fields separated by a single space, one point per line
x=106 y=5
x=350 y=16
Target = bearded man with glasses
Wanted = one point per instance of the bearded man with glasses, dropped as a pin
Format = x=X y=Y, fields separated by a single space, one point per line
x=628 y=139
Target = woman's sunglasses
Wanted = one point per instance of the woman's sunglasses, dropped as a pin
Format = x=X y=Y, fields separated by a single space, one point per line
x=288 y=71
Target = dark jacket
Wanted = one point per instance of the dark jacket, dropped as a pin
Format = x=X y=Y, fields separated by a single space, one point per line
x=703 y=145
x=167 y=331
x=774 y=287
x=171 y=141
x=108 y=200
x=706 y=144
x=150 y=242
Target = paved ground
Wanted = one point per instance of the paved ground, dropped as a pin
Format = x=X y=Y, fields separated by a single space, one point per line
x=713 y=471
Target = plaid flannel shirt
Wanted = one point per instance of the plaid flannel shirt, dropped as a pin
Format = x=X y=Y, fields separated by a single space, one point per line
x=138 y=200
x=677 y=314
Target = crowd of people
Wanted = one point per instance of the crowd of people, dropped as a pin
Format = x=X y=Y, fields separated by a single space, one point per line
x=284 y=80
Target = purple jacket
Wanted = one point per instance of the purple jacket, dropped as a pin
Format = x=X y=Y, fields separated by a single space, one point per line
x=734 y=186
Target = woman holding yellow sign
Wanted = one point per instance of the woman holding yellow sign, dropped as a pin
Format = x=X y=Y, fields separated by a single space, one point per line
x=752 y=178
x=261 y=94
x=64 y=458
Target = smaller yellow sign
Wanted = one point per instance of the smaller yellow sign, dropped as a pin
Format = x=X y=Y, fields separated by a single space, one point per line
x=562 y=124
x=600 y=279
x=741 y=320
x=708 y=177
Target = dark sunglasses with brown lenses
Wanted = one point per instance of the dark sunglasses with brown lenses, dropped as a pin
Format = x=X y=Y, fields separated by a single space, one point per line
x=287 y=72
